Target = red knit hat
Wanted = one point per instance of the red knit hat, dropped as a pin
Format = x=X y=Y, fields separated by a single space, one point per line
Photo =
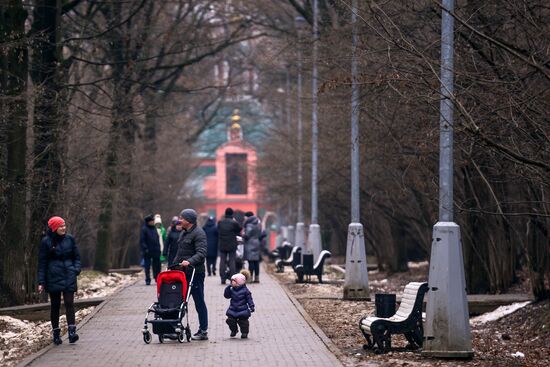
x=55 y=222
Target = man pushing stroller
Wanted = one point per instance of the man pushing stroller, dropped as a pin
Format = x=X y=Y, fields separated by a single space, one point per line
x=192 y=251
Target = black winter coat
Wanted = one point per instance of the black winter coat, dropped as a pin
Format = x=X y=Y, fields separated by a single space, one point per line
x=171 y=245
x=211 y=231
x=192 y=247
x=241 y=304
x=149 y=241
x=228 y=230
x=58 y=263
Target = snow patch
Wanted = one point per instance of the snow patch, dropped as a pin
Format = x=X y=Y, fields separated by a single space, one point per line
x=518 y=355
x=417 y=265
x=498 y=313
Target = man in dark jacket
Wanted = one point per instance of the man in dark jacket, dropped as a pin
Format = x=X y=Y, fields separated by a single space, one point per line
x=192 y=252
x=228 y=230
x=211 y=231
x=150 y=248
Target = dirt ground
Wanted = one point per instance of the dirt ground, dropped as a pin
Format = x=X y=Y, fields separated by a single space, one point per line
x=518 y=339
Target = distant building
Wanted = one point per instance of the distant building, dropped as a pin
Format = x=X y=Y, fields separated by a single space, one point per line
x=229 y=178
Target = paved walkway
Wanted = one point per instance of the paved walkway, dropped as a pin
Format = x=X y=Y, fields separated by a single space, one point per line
x=279 y=335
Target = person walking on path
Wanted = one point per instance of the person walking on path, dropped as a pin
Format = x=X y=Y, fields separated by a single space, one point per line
x=58 y=267
x=228 y=230
x=241 y=305
x=211 y=231
x=171 y=245
x=252 y=233
x=161 y=231
x=150 y=248
x=192 y=251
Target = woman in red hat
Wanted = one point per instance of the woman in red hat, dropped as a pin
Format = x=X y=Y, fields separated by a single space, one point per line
x=58 y=267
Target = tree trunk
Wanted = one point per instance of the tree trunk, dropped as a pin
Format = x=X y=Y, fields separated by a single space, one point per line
x=118 y=163
x=14 y=64
x=46 y=177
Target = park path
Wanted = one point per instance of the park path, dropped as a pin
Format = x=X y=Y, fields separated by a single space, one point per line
x=279 y=334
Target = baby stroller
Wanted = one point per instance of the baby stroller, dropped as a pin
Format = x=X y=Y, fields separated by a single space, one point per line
x=173 y=292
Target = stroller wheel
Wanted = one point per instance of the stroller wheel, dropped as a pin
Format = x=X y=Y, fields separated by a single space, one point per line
x=161 y=338
x=181 y=337
x=147 y=337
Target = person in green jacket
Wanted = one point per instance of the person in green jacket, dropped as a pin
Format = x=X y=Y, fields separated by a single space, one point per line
x=162 y=235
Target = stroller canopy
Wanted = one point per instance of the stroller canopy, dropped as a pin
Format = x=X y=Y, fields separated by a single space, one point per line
x=170 y=277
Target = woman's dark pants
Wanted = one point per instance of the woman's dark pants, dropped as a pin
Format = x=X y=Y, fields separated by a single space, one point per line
x=68 y=300
x=211 y=264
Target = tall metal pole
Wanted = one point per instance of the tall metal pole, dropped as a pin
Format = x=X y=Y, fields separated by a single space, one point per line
x=314 y=126
x=289 y=131
x=447 y=332
x=446 y=116
x=300 y=227
x=355 y=209
x=300 y=135
x=314 y=239
x=356 y=284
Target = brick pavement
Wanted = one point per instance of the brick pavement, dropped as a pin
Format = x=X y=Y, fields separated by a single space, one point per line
x=279 y=335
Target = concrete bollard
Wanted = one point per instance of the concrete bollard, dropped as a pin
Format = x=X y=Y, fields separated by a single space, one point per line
x=291 y=235
x=447 y=329
x=314 y=240
x=356 y=284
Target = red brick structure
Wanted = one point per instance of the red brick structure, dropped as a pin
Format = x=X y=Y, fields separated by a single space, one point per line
x=233 y=182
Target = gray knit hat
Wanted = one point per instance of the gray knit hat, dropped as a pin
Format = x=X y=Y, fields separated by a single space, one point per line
x=189 y=215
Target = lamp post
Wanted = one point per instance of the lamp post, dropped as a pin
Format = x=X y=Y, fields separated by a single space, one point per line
x=289 y=131
x=356 y=284
x=447 y=332
x=314 y=238
x=300 y=227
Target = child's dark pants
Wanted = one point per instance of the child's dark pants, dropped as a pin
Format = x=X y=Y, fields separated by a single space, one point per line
x=242 y=322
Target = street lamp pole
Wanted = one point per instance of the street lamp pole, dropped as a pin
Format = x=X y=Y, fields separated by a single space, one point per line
x=356 y=284
x=314 y=238
x=447 y=333
x=289 y=131
x=300 y=227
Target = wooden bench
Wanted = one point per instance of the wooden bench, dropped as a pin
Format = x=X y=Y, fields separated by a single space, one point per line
x=293 y=260
x=308 y=269
x=407 y=320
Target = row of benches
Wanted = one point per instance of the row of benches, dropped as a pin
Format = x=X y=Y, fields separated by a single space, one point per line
x=377 y=331
x=302 y=264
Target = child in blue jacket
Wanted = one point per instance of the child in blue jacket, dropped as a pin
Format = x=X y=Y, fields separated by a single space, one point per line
x=240 y=307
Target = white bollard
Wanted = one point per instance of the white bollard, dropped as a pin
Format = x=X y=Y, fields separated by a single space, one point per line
x=447 y=329
x=291 y=235
x=356 y=284
x=314 y=241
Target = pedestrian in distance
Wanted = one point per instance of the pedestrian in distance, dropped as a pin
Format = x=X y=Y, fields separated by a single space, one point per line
x=161 y=231
x=150 y=248
x=252 y=233
x=192 y=252
x=241 y=305
x=228 y=230
x=211 y=231
x=171 y=245
x=58 y=268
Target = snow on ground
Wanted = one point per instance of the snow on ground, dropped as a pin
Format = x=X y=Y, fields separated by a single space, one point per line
x=498 y=313
x=20 y=338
